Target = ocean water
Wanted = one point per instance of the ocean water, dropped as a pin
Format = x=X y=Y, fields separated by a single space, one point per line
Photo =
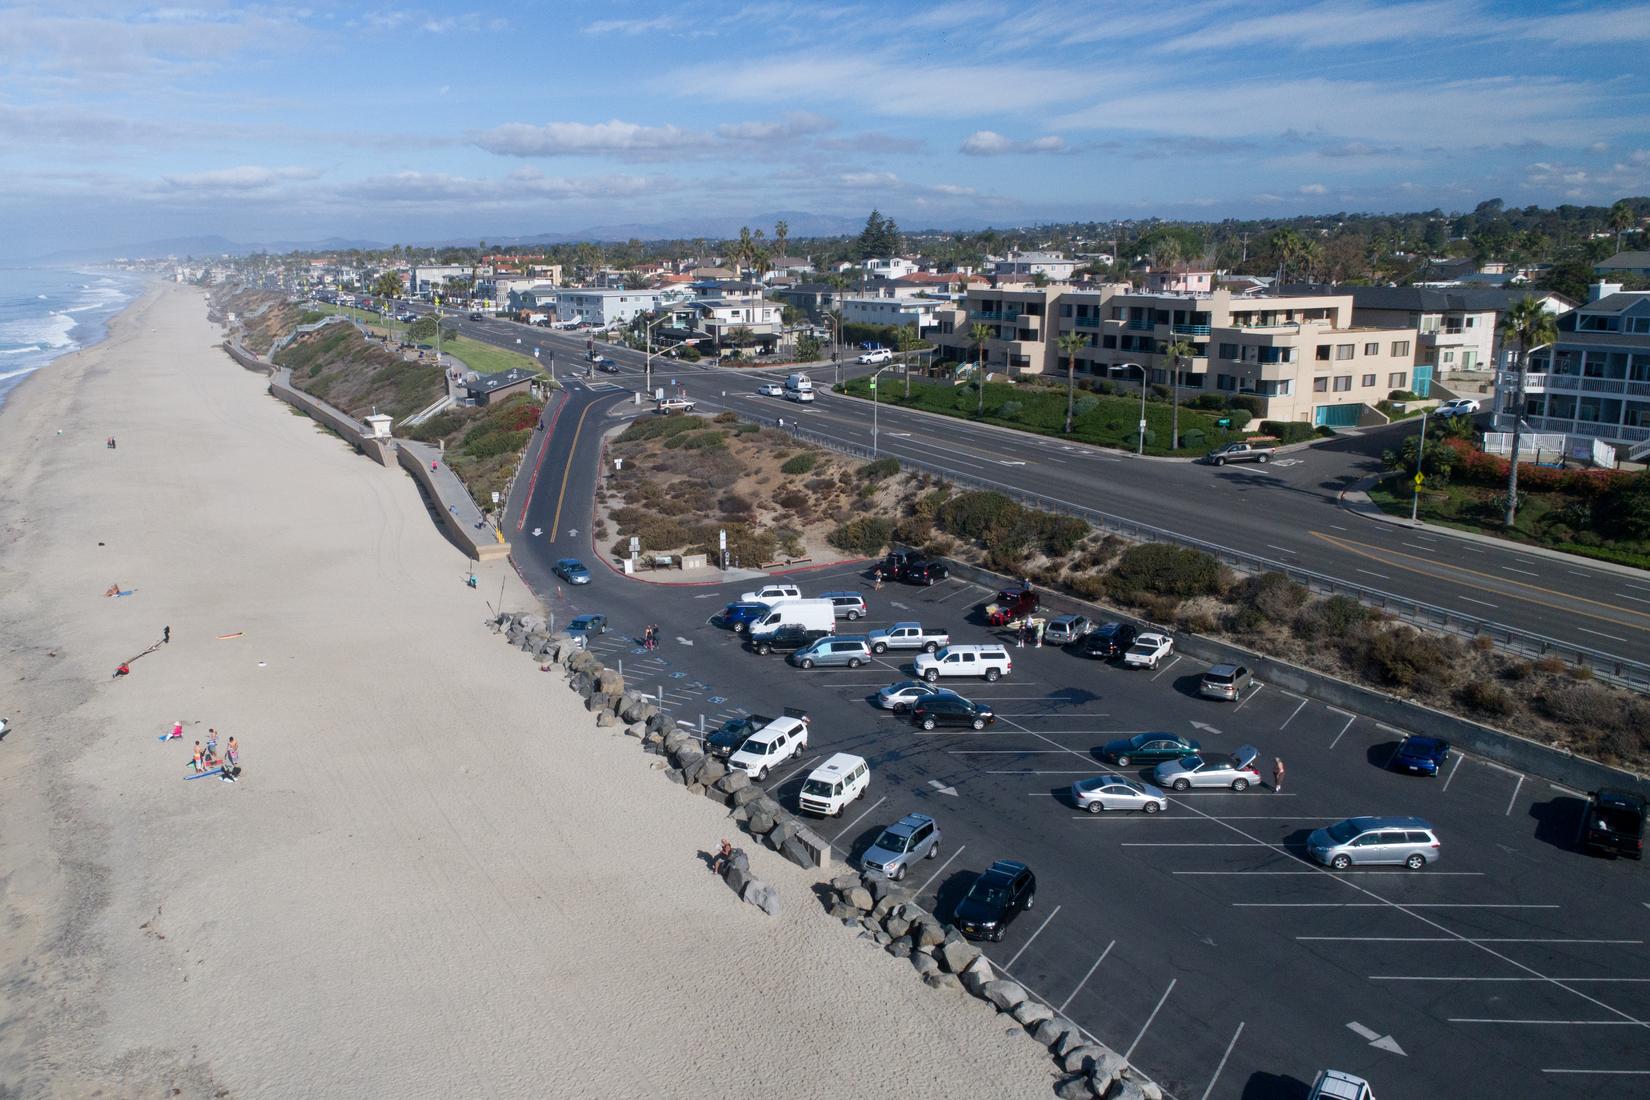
x=46 y=313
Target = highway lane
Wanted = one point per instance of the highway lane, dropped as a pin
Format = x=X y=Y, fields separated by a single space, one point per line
x=1286 y=512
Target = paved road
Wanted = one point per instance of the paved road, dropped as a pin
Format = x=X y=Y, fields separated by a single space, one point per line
x=1287 y=511
x=1198 y=940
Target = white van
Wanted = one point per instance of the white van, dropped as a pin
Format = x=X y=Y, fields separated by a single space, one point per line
x=808 y=614
x=834 y=784
x=799 y=383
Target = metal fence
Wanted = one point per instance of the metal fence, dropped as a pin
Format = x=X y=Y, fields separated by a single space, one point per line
x=1621 y=671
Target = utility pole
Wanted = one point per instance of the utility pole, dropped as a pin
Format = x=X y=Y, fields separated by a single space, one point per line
x=1420 y=453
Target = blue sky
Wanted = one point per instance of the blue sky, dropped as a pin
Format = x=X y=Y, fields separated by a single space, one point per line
x=125 y=122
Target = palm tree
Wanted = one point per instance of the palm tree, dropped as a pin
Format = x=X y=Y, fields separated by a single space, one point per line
x=1530 y=327
x=1071 y=343
x=1621 y=219
x=979 y=334
x=1178 y=352
x=781 y=233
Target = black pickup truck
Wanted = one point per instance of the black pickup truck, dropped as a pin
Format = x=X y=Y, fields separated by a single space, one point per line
x=787 y=639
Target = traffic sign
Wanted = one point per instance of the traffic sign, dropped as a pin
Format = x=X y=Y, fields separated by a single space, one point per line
x=1418 y=480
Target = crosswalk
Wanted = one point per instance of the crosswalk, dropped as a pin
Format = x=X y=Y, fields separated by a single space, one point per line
x=682 y=697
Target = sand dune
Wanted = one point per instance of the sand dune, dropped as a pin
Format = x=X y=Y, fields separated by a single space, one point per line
x=435 y=878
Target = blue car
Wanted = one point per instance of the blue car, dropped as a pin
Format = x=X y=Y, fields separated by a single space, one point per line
x=572 y=571
x=1421 y=755
x=741 y=613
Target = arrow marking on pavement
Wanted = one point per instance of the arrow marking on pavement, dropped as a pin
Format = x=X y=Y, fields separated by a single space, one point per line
x=537 y=531
x=1376 y=1039
x=572 y=532
x=1206 y=728
x=682 y=640
x=942 y=788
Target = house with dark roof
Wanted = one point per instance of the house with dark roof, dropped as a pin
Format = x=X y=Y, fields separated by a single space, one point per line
x=489 y=389
x=1624 y=263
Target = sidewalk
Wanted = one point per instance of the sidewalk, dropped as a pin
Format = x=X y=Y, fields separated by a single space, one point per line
x=464 y=520
x=1355 y=499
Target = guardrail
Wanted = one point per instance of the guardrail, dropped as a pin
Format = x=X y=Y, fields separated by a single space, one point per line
x=1621 y=671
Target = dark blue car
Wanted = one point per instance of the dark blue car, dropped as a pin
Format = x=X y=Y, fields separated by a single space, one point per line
x=1421 y=755
x=739 y=615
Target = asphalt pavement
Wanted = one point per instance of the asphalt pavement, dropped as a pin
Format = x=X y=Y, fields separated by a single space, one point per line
x=1288 y=511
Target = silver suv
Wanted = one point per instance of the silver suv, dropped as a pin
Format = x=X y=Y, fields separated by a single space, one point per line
x=1397 y=840
x=912 y=837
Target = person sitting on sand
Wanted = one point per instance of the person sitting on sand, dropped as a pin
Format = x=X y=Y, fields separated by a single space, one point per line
x=112 y=590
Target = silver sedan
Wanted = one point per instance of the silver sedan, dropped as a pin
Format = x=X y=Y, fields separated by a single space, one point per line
x=1114 y=792
x=1210 y=769
x=902 y=696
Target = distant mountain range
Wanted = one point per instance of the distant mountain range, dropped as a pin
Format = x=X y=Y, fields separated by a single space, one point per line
x=800 y=224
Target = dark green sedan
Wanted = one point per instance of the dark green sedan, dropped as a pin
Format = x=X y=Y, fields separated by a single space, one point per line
x=1148 y=746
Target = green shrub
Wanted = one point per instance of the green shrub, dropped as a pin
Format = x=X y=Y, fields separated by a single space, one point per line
x=1008 y=410
x=1254 y=406
x=866 y=536
x=881 y=468
x=1486 y=698
x=1085 y=405
x=1240 y=418
x=800 y=464
x=1288 y=431
x=1273 y=595
x=1193 y=440
x=1406 y=658
x=1160 y=569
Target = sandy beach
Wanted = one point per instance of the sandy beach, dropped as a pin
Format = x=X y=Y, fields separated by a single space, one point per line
x=435 y=878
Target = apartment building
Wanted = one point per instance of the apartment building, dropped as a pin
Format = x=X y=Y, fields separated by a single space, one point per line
x=1593 y=383
x=1303 y=355
x=720 y=317
x=1023 y=266
x=900 y=311
x=1016 y=322
x=604 y=307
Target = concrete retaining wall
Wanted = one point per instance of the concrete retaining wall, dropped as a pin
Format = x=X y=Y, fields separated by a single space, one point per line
x=458 y=526
x=353 y=431
x=1488 y=742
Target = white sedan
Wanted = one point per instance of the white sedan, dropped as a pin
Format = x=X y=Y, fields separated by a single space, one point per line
x=1114 y=792
x=770 y=389
x=1148 y=650
x=1461 y=406
x=1210 y=769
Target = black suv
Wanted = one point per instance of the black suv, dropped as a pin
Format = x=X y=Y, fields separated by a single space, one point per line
x=788 y=639
x=1001 y=892
x=951 y=710
x=732 y=733
x=894 y=564
x=1106 y=642
x=1615 y=823
x=924 y=571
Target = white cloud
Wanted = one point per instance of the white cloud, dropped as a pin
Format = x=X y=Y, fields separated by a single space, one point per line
x=868 y=179
x=989 y=143
x=564 y=139
x=243 y=178
x=1588 y=26
x=632 y=26
x=795 y=124
x=952 y=189
x=1336 y=24
x=1313 y=189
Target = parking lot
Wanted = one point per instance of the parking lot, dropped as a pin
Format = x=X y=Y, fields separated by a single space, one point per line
x=1200 y=941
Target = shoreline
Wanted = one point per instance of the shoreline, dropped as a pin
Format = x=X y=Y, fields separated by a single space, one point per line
x=140 y=284
x=433 y=863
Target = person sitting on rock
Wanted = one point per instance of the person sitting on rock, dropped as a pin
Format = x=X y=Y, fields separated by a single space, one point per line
x=723 y=855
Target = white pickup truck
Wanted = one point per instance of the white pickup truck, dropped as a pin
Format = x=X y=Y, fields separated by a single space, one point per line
x=907 y=636
x=673 y=405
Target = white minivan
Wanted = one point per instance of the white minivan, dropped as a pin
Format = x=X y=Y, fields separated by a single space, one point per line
x=834 y=784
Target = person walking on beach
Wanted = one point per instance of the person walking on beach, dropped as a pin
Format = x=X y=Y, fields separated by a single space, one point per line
x=199 y=760
x=231 y=762
x=165 y=635
x=1277 y=774
x=211 y=743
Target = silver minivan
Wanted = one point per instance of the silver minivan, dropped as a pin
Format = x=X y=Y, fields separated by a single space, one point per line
x=1405 y=841
x=847 y=605
x=850 y=652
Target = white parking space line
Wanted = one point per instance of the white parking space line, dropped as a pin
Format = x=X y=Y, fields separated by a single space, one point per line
x=1350 y=718
x=1296 y=711
x=1605 y=1072
x=1222 y=1063
x=1516 y=788
x=1430 y=874
x=1194 y=844
x=1047 y=771
x=1004 y=752
x=1127 y=1054
x=1033 y=936
x=1245 y=700
x=1454 y=978
x=923 y=889
x=1453 y=768
x=1087 y=976
x=780 y=782
x=1167 y=667
x=848 y=828
x=1464 y=940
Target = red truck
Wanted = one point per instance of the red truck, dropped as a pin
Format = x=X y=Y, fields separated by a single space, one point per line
x=1011 y=604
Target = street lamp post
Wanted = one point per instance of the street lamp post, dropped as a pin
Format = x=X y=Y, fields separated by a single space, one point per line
x=1141 y=448
x=874 y=406
x=1517 y=432
x=647 y=371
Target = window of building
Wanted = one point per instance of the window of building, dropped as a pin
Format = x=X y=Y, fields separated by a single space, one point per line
x=1449 y=356
x=1369 y=381
x=1343 y=383
x=1372 y=349
x=1109 y=341
x=1320 y=385
x=1400 y=347
x=1225 y=382
x=1343 y=351
x=1398 y=380
x=1228 y=351
x=1323 y=353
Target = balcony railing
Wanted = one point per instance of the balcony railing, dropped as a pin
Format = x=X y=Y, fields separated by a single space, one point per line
x=1086 y=322
x=1620 y=432
x=1142 y=326
x=991 y=315
x=1190 y=330
x=1551 y=382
